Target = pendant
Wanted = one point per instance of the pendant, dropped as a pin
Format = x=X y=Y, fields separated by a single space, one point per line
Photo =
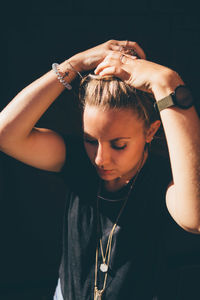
x=98 y=294
x=104 y=267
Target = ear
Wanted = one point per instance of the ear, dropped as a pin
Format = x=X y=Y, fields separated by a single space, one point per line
x=152 y=131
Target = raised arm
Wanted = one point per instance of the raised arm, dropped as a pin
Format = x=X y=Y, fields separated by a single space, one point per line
x=182 y=130
x=43 y=148
x=40 y=148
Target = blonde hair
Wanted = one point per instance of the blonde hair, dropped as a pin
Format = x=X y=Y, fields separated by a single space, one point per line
x=112 y=93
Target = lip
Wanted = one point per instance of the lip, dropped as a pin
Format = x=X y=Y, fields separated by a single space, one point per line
x=104 y=172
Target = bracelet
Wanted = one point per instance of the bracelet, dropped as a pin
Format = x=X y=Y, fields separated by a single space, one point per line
x=60 y=77
x=75 y=70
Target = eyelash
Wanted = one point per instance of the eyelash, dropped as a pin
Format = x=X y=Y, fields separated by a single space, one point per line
x=113 y=146
x=118 y=148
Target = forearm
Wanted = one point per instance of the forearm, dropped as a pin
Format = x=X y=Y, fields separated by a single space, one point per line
x=182 y=130
x=21 y=114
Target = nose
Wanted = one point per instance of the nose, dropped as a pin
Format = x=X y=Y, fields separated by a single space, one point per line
x=102 y=156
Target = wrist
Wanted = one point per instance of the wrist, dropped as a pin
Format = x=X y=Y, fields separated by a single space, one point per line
x=165 y=84
x=77 y=62
x=71 y=67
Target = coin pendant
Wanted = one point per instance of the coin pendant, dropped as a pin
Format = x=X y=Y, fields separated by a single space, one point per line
x=104 y=268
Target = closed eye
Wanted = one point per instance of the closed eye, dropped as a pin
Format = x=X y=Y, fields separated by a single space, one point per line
x=115 y=144
x=118 y=147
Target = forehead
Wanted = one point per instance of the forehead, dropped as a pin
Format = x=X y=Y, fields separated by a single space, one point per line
x=111 y=123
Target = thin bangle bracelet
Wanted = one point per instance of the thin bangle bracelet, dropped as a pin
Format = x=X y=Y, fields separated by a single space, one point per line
x=60 y=77
x=75 y=70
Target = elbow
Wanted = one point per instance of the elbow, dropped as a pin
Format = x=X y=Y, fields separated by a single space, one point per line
x=2 y=139
x=192 y=230
x=189 y=216
x=5 y=139
x=190 y=223
x=195 y=228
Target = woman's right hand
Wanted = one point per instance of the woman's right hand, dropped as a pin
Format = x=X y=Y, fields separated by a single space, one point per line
x=91 y=58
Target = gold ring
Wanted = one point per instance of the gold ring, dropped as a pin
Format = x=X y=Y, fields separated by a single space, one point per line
x=133 y=52
x=121 y=57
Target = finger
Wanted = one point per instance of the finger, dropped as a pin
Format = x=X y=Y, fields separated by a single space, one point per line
x=108 y=71
x=114 y=58
x=117 y=72
x=118 y=45
x=104 y=64
x=111 y=58
x=125 y=58
x=136 y=48
x=130 y=52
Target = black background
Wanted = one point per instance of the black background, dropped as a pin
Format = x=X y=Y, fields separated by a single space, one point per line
x=33 y=36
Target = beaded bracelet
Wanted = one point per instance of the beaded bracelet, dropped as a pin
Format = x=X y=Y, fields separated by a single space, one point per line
x=60 y=77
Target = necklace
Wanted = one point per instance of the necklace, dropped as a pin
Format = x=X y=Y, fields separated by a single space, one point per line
x=111 y=200
x=104 y=266
x=103 y=197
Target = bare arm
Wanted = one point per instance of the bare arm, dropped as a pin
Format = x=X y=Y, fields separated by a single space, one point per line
x=43 y=148
x=40 y=148
x=182 y=130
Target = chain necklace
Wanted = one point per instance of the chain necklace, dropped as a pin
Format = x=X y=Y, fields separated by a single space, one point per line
x=112 y=199
x=104 y=266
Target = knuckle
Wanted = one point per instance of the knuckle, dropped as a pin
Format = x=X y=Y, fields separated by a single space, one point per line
x=110 y=55
x=114 y=54
x=110 y=42
x=114 y=69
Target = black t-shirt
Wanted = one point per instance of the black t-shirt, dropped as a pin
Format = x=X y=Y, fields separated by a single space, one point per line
x=134 y=261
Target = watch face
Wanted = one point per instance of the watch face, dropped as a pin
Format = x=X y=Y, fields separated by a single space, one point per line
x=182 y=97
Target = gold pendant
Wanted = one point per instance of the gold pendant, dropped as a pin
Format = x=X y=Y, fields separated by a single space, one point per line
x=97 y=294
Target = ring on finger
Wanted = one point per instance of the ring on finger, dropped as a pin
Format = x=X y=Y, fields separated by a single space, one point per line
x=133 y=52
x=121 y=57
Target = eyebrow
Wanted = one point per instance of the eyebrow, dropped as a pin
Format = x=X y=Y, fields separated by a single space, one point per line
x=113 y=140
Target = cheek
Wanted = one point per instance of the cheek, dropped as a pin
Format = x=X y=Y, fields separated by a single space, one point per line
x=121 y=158
x=132 y=154
x=124 y=158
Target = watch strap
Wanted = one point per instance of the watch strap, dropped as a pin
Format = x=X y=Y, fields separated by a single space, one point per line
x=165 y=102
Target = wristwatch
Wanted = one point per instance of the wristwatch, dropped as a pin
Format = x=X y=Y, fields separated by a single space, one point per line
x=181 y=98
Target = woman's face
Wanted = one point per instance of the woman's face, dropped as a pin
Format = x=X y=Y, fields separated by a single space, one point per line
x=114 y=141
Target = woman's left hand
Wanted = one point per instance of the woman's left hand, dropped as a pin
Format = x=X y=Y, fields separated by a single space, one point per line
x=140 y=73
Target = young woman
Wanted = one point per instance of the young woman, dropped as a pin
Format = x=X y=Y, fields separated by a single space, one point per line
x=119 y=192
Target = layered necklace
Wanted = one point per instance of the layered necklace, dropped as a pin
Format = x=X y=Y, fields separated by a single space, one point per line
x=104 y=265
